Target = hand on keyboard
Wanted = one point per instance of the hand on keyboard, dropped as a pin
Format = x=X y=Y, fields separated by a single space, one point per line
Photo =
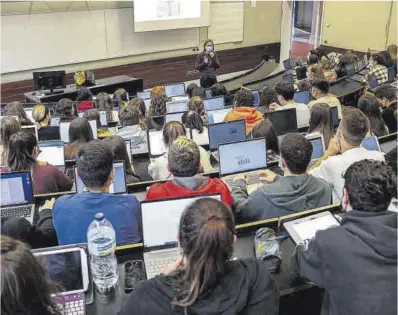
x=173 y=266
x=267 y=176
x=241 y=176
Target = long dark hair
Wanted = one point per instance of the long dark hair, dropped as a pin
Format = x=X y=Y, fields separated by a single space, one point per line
x=25 y=285
x=16 y=109
x=118 y=147
x=20 y=151
x=206 y=235
x=369 y=105
x=65 y=110
x=192 y=120
x=321 y=121
x=266 y=130
x=8 y=126
x=80 y=131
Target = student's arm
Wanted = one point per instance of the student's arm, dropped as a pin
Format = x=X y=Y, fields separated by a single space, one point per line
x=200 y=62
x=239 y=194
x=64 y=183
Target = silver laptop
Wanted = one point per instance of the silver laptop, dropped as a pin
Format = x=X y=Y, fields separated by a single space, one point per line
x=173 y=117
x=218 y=115
x=371 y=143
x=176 y=107
x=144 y=95
x=17 y=195
x=318 y=148
x=173 y=90
x=244 y=157
x=160 y=229
x=214 y=103
x=53 y=152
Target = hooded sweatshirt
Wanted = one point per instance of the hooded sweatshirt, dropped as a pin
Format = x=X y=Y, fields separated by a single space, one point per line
x=246 y=287
x=137 y=137
x=356 y=264
x=249 y=114
x=286 y=195
x=190 y=186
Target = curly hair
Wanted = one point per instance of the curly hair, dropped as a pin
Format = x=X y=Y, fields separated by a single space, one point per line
x=244 y=98
x=158 y=104
x=268 y=96
x=157 y=89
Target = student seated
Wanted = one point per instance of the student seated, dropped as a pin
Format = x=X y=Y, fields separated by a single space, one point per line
x=378 y=68
x=219 y=89
x=26 y=287
x=129 y=119
x=84 y=99
x=80 y=132
x=158 y=168
x=193 y=121
x=197 y=105
x=344 y=150
x=285 y=94
x=369 y=105
x=199 y=91
x=93 y=114
x=356 y=262
x=65 y=110
x=189 y=89
x=140 y=105
x=243 y=109
x=267 y=97
x=266 y=130
x=16 y=109
x=157 y=89
x=204 y=280
x=158 y=104
x=22 y=154
x=294 y=192
x=122 y=96
x=328 y=70
x=74 y=213
x=387 y=97
x=184 y=165
x=320 y=92
x=304 y=85
x=314 y=71
x=45 y=132
x=321 y=123
x=103 y=102
x=8 y=126
x=119 y=150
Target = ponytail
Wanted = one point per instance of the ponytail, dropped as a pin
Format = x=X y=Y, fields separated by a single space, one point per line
x=20 y=151
x=192 y=120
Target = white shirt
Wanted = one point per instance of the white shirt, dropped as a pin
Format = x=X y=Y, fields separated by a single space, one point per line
x=302 y=112
x=332 y=169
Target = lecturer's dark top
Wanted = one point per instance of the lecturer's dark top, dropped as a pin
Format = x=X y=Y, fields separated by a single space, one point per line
x=208 y=68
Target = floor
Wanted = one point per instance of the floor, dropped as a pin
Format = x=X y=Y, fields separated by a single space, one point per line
x=220 y=77
x=302 y=42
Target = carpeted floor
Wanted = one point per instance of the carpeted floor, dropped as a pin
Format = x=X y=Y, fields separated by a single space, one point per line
x=300 y=49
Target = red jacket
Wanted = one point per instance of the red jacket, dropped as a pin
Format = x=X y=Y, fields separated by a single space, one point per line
x=171 y=190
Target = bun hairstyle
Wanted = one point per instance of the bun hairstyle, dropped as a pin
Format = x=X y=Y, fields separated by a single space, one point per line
x=206 y=235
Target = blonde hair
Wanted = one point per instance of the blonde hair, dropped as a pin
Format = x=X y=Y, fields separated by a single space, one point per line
x=196 y=105
x=40 y=113
x=184 y=157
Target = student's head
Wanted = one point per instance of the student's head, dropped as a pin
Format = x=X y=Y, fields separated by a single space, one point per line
x=25 y=285
x=65 y=110
x=268 y=96
x=199 y=91
x=95 y=165
x=208 y=46
x=379 y=59
x=353 y=128
x=393 y=51
x=321 y=121
x=190 y=88
x=157 y=89
x=369 y=186
x=243 y=98
x=16 y=109
x=327 y=65
x=296 y=153
x=196 y=104
x=207 y=237
x=207 y=81
x=319 y=88
x=171 y=131
x=93 y=114
x=41 y=115
x=80 y=131
x=370 y=106
x=219 y=89
x=386 y=94
x=304 y=85
x=22 y=151
x=84 y=94
x=266 y=130
x=139 y=104
x=104 y=102
x=313 y=59
x=8 y=126
x=285 y=92
x=158 y=104
x=129 y=116
x=119 y=150
x=192 y=120
x=120 y=94
x=184 y=158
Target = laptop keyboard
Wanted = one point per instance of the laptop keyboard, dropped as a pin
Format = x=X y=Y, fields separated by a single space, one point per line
x=252 y=179
x=72 y=304
x=20 y=211
x=357 y=77
x=154 y=267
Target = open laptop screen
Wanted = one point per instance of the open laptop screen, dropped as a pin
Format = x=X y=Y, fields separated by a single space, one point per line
x=371 y=144
x=302 y=97
x=218 y=115
x=242 y=156
x=317 y=147
x=335 y=116
x=214 y=103
x=55 y=121
x=226 y=132
x=156 y=145
x=144 y=95
x=288 y=78
x=256 y=98
x=161 y=227
x=173 y=90
x=284 y=121
x=391 y=73
x=52 y=152
x=175 y=107
x=173 y=117
x=16 y=188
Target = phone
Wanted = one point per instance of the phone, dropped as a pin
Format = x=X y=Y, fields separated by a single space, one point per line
x=134 y=273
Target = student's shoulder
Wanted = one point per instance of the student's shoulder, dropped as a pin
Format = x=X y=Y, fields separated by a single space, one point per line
x=249 y=268
x=65 y=201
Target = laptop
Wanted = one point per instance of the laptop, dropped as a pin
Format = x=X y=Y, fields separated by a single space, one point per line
x=302 y=97
x=156 y=146
x=305 y=228
x=160 y=229
x=289 y=64
x=176 y=107
x=53 y=152
x=28 y=112
x=118 y=185
x=284 y=121
x=256 y=95
x=288 y=78
x=229 y=131
x=350 y=70
x=301 y=73
x=144 y=95
x=334 y=113
x=200 y=138
x=208 y=93
x=103 y=117
x=243 y=157
x=31 y=129
x=128 y=148
x=17 y=195
x=372 y=81
x=64 y=130
x=391 y=74
x=147 y=102
x=371 y=143
x=173 y=90
x=318 y=148
x=217 y=115
x=214 y=103
x=55 y=121
x=173 y=117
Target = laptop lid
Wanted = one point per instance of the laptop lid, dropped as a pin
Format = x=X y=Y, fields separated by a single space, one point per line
x=350 y=70
x=93 y=125
x=173 y=117
x=31 y=129
x=208 y=93
x=16 y=189
x=147 y=102
x=176 y=107
x=128 y=148
x=224 y=132
x=64 y=131
x=334 y=113
x=302 y=97
x=256 y=95
x=156 y=145
x=55 y=121
x=391 y=74
x=52 y=152
x=318 y=146
x=301 y=73
x=242 y=156
x=371 y=143
x=160 y=228
x=288 y=78
x=173 y=90
x=200 y=138
x=119 y=182
x=144 y=95
x=284 y=121
x=103 y=118
x=287 y=64
x=214 y=103
x=372 y=81
x=218 y=115
x=28 y=112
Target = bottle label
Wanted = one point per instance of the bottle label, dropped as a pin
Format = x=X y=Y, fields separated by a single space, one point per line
x=103 y=249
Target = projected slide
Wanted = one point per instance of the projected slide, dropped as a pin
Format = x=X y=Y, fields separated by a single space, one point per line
x=156 y=10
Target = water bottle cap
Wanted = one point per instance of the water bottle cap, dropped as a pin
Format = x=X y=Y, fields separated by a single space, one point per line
x=99 y=216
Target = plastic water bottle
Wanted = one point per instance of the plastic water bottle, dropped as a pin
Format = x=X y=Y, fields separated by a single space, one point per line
x=101 y=246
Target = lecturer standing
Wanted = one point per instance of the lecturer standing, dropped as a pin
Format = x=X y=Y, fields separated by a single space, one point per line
x=207 y=63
